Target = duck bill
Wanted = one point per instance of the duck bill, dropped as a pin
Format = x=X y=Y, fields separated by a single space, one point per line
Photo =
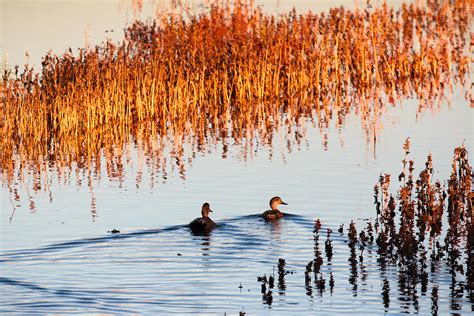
x=284 y=203
x=211 y=211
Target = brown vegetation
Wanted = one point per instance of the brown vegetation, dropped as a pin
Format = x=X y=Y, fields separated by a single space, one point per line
x=230 y=73
x=422 y=210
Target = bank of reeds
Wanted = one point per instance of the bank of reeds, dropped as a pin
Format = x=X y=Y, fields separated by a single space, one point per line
x=233 y=72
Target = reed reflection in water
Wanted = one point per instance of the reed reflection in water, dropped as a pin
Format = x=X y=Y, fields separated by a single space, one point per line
x=309 y=176
x=236 y=73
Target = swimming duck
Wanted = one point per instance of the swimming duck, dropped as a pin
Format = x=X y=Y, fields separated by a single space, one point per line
x=204 y=223
x=274 y=213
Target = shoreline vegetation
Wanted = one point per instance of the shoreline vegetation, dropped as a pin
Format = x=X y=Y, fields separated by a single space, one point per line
x=420 y=235
x=426 y=226
x=231 y=73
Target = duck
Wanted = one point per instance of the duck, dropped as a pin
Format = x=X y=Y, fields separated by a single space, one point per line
x=274 y=213
x=204 y=223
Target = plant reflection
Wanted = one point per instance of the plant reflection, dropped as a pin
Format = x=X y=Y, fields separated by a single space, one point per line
x=182 y=85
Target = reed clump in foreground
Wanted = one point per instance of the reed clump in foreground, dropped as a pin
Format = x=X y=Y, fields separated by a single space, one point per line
x=232 y=72
x=409 y=228
x=420 y=235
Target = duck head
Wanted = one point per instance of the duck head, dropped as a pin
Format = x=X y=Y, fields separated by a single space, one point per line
x=206 y=208
x=275 y=201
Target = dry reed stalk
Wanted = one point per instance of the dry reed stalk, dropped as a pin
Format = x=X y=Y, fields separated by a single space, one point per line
x=234 y=71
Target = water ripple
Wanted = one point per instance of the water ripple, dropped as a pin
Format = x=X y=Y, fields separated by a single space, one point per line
x=172 y=270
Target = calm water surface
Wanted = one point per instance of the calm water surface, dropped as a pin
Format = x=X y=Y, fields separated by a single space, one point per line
x=171 y=270
x=57 y=257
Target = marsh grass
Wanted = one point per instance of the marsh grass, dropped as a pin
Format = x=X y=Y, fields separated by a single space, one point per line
x=422 y=234
x=232 y=72
x=412 y=237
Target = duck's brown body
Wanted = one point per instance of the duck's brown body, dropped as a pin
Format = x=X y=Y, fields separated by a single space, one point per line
x=274 y=213
x=202 y=224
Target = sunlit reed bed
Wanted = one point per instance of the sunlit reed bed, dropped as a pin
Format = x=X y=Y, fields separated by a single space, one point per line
x=231 y=72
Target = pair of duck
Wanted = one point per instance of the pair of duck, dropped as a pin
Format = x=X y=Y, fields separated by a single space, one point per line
x=205 y=223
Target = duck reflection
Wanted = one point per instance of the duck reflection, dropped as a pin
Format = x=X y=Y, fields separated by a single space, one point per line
x=274 y=233
x=275 y=230
x=206 y=244
x=202 y=242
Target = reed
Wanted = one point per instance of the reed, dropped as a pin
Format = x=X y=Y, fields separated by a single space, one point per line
x=408 y=236
x=409 y=231
x=267 y=284
x=230 y=72
x=412 y=237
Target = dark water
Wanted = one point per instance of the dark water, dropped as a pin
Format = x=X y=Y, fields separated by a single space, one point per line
x=172 y=270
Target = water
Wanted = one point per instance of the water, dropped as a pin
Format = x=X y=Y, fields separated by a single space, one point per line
x=171 y=270
x=334 y=184
x=58 y=257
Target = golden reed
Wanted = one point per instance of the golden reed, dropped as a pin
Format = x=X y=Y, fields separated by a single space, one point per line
x=233 y=72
